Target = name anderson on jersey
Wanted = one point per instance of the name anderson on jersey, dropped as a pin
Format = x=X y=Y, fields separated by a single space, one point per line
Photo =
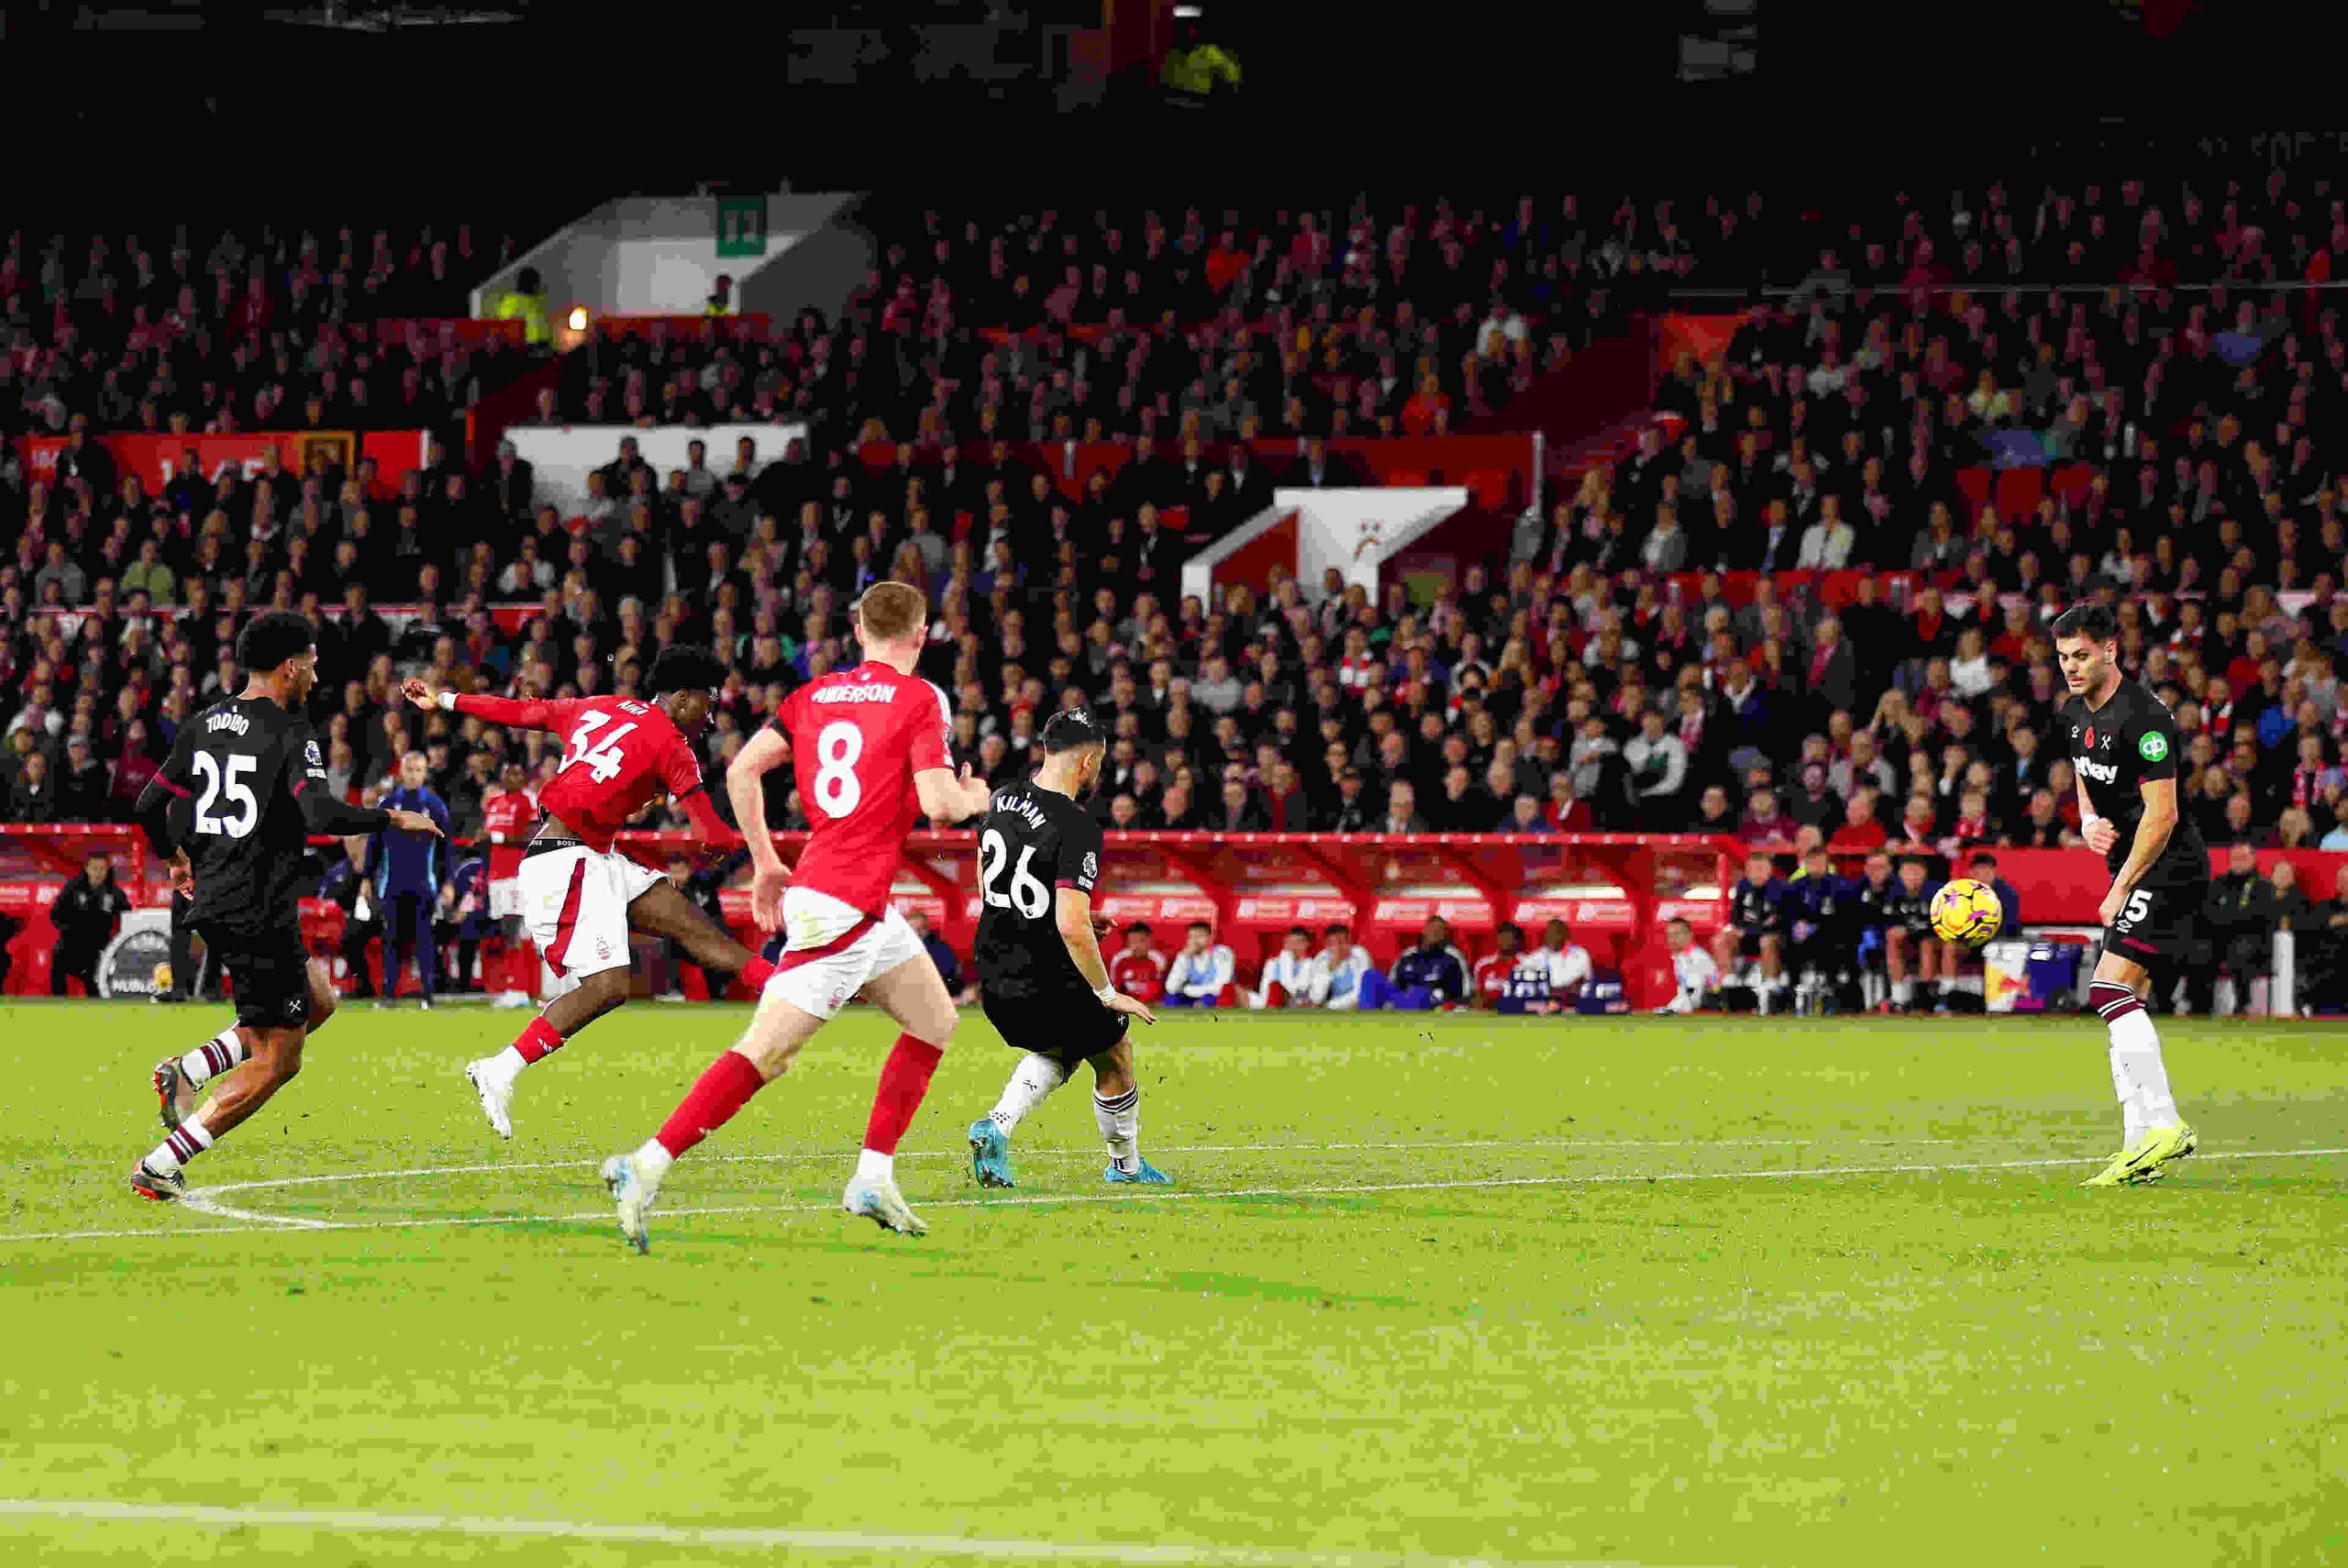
x=853 y=694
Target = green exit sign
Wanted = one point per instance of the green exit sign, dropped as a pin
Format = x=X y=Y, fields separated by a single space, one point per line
x=741 y=225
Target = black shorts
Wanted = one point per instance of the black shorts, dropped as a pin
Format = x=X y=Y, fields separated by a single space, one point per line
x=1748 y=942
x=1068 y=1027
x=269 y=970
x=2159 y=927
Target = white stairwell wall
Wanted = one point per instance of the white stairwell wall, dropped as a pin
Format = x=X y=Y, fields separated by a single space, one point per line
x=658 y=255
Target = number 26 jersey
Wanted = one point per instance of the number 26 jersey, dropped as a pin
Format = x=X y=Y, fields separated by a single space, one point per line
x=857 y=736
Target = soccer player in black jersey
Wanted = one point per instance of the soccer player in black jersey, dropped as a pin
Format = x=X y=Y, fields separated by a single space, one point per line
x=233 y=808
x=1041 y=979
x=2124 y=749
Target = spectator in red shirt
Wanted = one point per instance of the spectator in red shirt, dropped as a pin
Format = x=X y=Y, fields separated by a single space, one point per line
x=1140 y=970
x=1861 y=829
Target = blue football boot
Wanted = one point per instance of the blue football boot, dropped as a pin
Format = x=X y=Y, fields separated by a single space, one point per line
x=990 y=1153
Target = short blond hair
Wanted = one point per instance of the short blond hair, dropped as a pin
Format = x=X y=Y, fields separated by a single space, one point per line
x=891 y=613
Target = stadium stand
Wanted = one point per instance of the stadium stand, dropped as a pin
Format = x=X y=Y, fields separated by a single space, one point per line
x=1792 y=583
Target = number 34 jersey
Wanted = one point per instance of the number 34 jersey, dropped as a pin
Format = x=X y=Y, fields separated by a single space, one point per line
x=1034 y=841
x=618 y=757
x=857 y=736
x=240 y=768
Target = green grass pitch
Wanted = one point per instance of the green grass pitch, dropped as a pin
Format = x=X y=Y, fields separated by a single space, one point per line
x=1749 y=1292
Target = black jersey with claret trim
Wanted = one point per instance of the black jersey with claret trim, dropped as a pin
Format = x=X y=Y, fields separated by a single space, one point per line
x=238 y=770
x=1034 y=842
x=2117 y=749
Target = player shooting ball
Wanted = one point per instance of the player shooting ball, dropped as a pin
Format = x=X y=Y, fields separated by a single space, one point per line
x=580 y=897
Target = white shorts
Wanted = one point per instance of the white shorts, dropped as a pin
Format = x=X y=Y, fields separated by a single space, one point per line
x=575 y=903
x=831 y=949
x=505 y=897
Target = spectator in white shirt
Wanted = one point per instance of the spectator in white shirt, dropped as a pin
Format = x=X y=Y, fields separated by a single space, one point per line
x=1287 y=980
x=1200 y=971
x=1568 y=961
x=1658 y=762
x=1827 y=544
x=1970 y=670
x=1692 y=970
x=1338 y=970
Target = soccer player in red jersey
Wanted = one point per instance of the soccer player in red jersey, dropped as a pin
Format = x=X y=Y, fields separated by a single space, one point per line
x=581 y=897
x=870 y=749
x=508 y=812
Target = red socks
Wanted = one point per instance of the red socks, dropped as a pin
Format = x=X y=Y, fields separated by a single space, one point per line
x=904 y=1079
x=729 y=1082
x=724 y=1087
x=538 y=1042
x=756 y=973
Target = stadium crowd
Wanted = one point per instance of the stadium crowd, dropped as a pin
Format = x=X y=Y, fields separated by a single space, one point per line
x=1612 y=674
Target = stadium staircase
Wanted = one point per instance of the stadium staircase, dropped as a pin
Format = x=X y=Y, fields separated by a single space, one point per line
x=1589 y=412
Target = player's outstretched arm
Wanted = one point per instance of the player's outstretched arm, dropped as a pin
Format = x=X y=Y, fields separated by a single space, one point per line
x=746 y=787
x=1072 y=911
x=530 y=714
x=947 y=799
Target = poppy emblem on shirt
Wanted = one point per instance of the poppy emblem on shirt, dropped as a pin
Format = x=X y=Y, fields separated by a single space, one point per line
x=2090 y=737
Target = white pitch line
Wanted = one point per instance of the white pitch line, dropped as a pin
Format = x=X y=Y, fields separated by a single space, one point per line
x=1612 y=1178
x=272 y=1183
x=755 y=1538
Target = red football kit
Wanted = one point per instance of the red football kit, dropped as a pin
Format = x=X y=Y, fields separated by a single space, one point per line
x=1141 y=976
x=857 y=736
x=618 y=757
x=506 y=816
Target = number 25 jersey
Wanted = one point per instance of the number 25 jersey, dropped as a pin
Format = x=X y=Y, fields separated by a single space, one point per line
x=857 y=736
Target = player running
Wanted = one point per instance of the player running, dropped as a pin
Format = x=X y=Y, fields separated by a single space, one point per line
x=580 y=896
x=2123 y=747
x=869 y=746
x=233 y=808
x=1041 y=979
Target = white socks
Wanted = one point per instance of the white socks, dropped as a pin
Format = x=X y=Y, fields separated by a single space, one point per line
x=2138 y=1075
x=1031 y=1084
x=214 y=1056
x=1120 y=1123
x=1901 y=991
x=654 y=1160
x=872 y=1166
x=185 y=1142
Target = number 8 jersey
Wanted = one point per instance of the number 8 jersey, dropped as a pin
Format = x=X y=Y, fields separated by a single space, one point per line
x=857 y=736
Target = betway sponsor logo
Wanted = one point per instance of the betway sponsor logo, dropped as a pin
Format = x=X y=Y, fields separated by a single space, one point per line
x=2101 y=772
x=854 y=695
